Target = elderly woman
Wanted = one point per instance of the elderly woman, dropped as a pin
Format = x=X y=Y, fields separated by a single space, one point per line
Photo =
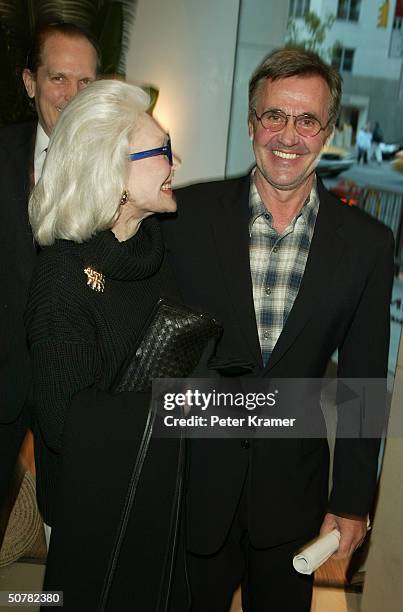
x=100 y=273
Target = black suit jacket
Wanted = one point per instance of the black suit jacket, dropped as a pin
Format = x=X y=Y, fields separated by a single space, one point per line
x=17 y=259
x=343 y=303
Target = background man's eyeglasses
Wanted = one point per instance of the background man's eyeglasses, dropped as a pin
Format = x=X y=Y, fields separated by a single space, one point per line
x=276 y=120
x=164 y=150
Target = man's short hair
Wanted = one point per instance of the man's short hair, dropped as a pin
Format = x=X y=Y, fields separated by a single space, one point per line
x=86 y=167
x=46 y=29
x=296 y=61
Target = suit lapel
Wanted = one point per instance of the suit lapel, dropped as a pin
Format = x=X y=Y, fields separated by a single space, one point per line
x=30 y=164
x=25 y=168
x=231 y=234
x=325 y=253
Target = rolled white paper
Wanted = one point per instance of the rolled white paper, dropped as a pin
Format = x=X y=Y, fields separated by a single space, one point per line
x=312 y=557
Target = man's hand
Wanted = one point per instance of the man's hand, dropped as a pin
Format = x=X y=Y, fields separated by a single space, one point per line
x=352 y=531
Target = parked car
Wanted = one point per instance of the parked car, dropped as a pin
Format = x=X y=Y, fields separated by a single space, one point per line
x=389 y=150
x=397 y=163
x=335 y=160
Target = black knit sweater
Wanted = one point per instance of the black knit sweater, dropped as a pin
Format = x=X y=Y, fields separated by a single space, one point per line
x=79 y=337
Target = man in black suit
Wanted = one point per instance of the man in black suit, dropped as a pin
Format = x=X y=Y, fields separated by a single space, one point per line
x=293 y=275
x=63 y=59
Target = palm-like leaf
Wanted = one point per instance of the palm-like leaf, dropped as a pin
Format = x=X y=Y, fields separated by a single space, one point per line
x=6 y=75
x=108 y=29
x=17 y=22
x=19 y=18
x=129 y=14
x=81 y=12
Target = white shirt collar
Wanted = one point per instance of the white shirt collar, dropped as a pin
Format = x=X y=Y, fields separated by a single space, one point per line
x=41 y=141
x=41 y=144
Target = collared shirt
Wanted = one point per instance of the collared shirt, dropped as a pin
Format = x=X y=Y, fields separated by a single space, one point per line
x=277 y=264
x=41 y=144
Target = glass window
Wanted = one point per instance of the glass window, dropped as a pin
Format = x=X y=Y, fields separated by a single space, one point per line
x=343 y=59
x=348 y=10
x=354 y=10
x=342 y=9
x=347 y=65
x=336 y=59
x=298 y=8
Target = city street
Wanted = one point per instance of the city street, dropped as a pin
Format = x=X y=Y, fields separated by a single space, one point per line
x=382 y=177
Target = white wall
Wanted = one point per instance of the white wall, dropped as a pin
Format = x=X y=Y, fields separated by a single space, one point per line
x=371 y=43
x=186 y=48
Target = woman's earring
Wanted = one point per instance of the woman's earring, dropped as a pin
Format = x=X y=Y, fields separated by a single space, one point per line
x=125 y=198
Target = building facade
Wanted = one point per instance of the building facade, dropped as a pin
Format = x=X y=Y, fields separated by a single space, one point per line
x=369 y=58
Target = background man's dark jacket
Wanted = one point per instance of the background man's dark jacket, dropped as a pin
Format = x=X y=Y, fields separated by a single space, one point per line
x=343 y=303
x=17 y=260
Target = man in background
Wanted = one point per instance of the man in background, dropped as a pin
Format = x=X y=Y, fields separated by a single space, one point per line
x=377 y=139
x=364 y=140
x=293 y=275
x=63 y=60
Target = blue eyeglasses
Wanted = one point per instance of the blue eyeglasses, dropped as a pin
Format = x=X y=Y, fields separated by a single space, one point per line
x=165 y=150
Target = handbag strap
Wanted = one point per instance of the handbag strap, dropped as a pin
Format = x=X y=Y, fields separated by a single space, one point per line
x=127 y=507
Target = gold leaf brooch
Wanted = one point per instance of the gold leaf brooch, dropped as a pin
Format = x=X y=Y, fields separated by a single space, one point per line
x=95 y=279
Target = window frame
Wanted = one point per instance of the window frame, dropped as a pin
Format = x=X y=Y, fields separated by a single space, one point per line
x=341 y=65
x=292 y=11
x=348 y=17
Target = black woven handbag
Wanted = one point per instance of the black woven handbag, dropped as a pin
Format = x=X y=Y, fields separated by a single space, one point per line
x=171 y=346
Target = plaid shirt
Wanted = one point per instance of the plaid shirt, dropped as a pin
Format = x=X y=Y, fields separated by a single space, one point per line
x=277 y=264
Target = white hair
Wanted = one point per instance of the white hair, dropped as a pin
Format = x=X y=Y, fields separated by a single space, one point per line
x=86 y=164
